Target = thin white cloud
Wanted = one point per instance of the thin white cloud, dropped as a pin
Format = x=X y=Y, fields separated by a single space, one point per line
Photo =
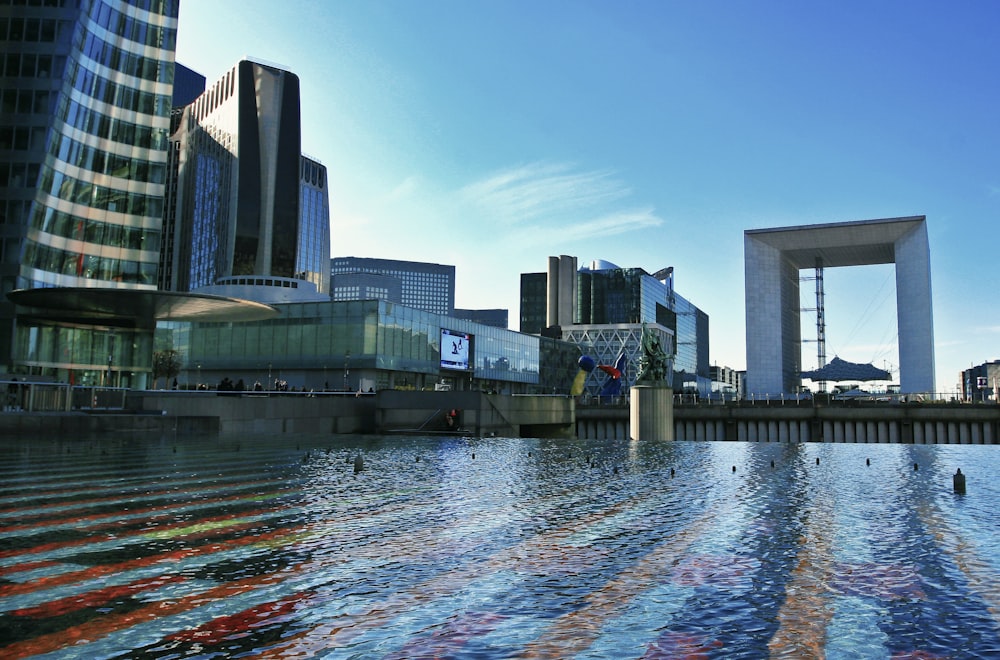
x=600 y=227
x=547 y=203
x=404 y=189
x=543 y=190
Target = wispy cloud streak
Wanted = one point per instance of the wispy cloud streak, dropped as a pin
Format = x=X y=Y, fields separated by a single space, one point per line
x=543 y=191
x=546 y=203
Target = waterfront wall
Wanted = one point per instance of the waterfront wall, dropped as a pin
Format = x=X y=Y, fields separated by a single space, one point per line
x=477 y=413
x=265 y=413
x=906 y=423
x=277 y=413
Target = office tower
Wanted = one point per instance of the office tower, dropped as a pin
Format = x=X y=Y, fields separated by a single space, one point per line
x=313 y=254
x=84 y=120
x=188 y=85
x=430 y=287
x=238 y=173
x=602 y=308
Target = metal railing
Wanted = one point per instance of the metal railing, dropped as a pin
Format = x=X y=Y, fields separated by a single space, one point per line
x=40 y=396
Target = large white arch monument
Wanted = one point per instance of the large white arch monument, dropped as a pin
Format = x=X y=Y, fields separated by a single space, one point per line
x=773 y=259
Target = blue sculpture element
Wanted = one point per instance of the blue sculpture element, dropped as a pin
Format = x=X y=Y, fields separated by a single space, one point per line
x=613 y=386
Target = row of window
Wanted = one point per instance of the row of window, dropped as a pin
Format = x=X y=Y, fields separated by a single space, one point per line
x=313 y=173
x=26 y=101
x=27 y=65
x=122 y=61
x=212 y=98
x=137 y=30
x=14 y=211
x=31 y=30
x=84 y=347
x=125 y=97
x=21 y=138
x=57 y=223
x=259 y=281
x=99 y=161
x=89 y=266
x=38 y=3
x=86 y=193
x=18 y=175
x=94 y=123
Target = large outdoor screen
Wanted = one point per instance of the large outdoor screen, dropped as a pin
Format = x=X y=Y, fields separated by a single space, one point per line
x=456 y=349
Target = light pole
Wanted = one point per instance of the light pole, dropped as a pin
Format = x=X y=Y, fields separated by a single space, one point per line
x=111 y=354
x=347 y=370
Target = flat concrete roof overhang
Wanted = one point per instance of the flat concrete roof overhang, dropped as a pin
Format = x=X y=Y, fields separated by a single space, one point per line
x=862 y=243
x=81 y=304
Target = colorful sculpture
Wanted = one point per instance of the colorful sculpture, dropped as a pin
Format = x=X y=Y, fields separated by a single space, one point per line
x=611 y=387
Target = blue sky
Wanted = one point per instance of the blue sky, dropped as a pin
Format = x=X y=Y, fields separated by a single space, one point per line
x=493 y=134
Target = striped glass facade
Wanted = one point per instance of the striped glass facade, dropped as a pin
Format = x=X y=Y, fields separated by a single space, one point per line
x=98 y=207
x=84 y=120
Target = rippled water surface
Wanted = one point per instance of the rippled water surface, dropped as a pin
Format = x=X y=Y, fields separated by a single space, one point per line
x=405 y=547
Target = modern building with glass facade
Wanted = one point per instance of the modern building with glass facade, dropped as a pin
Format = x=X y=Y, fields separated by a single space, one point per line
x=370 y=344
x=238 y=193
x=426 y=286
x=312 y=257
x=84 y=121
x=603 y=308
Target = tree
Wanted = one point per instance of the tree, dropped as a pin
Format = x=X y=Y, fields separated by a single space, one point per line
x=166 y=363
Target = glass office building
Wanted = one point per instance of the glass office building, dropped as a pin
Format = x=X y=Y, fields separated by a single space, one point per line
x=86 y=99
x=609 y=306
x=369 y=344
x=430 y=287
x=239 y=169
x=313 y=253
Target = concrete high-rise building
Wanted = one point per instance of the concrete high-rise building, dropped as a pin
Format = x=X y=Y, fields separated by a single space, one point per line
x=430 y=287
x=85 y=100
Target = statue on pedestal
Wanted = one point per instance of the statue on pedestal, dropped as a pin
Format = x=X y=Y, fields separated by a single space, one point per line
x=653 y=361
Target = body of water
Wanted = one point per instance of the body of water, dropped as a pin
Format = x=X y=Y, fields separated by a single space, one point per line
x=430 y=547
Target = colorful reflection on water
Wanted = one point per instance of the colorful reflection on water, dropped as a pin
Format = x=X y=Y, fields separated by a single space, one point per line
x=496 y=548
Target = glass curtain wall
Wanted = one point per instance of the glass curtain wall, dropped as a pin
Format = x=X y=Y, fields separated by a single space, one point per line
x=95 y=214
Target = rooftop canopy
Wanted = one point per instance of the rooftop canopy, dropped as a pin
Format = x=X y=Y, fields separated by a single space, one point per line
x=76 y=304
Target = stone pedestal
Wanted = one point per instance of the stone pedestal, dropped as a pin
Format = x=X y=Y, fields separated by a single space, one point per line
x=651 y=412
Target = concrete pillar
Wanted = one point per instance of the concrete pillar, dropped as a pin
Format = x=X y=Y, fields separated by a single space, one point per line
x=651 y=413
x=963 y=433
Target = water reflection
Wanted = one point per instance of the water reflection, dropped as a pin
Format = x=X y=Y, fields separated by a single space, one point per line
x=452 y=547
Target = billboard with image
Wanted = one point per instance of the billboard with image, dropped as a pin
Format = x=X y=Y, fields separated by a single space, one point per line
x=456 y=350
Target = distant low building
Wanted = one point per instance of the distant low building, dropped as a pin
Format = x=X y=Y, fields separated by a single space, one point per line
x=982 y=383
x=495 y=317
x=426 y=286
x=726 y=382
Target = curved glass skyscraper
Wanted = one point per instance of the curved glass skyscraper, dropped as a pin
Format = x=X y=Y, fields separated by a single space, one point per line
x=89 y=145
